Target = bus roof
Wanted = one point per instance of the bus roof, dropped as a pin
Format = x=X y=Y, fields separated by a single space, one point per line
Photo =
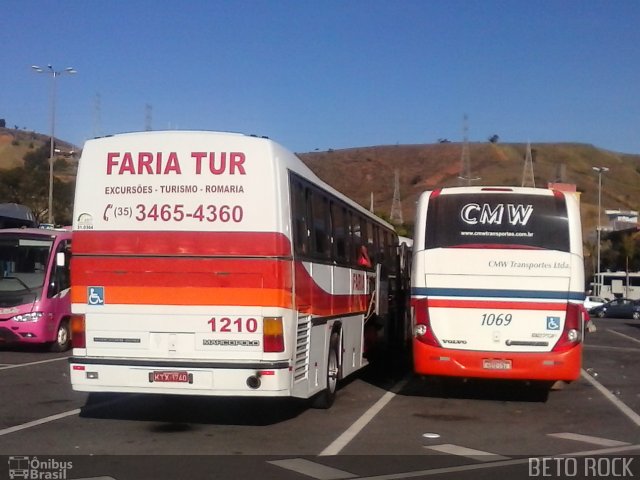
x=289 y=159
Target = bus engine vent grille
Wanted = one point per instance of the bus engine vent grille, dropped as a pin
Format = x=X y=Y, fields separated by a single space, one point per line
x=302 y=349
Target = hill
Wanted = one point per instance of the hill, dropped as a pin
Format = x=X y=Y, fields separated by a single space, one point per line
x=14 y=144
x=357 y=172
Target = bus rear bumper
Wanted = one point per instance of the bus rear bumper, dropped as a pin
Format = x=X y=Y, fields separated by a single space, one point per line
x=180 y=378
x=549 y=366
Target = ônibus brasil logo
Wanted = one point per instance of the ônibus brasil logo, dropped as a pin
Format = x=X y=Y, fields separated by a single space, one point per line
x=485 y=214
x=32 y=468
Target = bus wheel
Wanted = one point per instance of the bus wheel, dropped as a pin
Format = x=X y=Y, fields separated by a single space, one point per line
x=326 y=398
x=63 y=338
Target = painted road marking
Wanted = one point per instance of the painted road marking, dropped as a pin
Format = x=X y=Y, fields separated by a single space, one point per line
x=312 y=469
x=605 y=442
x=349 y=434
x=633 y=416
x=7 y=367
x=624 y=336
x=40 y=421
x=466 y=452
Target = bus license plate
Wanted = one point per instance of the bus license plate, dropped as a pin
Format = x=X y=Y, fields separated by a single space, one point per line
x=171 y=377
x=493 y=364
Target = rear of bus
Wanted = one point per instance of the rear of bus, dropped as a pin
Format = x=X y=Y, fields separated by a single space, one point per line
x=181 y=270
x=497 y=284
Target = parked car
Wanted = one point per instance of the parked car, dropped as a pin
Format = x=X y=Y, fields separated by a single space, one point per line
x=591 y=301
x=618 y=308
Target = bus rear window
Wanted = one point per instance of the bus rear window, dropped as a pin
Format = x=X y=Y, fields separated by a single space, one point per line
x=497 y=220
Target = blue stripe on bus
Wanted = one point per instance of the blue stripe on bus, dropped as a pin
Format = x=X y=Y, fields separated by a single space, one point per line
x=491 y=293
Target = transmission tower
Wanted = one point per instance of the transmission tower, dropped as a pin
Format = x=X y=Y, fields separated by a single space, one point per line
x=528 y=179
x=396 y=206
x=465 y=178
x=97 y=116
x=147 y=117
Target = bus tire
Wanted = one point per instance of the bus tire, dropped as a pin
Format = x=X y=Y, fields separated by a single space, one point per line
x=63 y=337
x=325 y=399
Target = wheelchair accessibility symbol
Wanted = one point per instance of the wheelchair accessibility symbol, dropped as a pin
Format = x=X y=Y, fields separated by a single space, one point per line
x=553 y=323
x=95 y=295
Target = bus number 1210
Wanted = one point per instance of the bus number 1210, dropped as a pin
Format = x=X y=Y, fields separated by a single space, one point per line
x=239 y=325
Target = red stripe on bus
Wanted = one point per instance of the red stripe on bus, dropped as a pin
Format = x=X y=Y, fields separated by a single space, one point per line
x=86 y=242
x=182 y=272
x=445 y=303
x=207 y=281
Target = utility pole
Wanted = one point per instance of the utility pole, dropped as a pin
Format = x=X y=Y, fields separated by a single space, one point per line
x=599 y=171
x=54 y=75
x=147 y=117
x=97 y=116
x=396 y=205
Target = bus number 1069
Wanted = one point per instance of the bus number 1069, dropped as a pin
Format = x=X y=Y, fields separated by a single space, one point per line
x=499 y=320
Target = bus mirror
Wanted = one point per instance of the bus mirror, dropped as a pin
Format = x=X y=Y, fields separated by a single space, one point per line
x=60 y=258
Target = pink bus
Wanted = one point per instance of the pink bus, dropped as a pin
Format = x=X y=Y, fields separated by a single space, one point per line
x=34 y=287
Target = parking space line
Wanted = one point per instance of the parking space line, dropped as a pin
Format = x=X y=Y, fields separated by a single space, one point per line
x=623 y=335
x=312 y=469
x=608 y=347
x=18 y=365
x=605 y=442
x=40 y=421
x=466 y=452
x=349 y=434
x=633 y=416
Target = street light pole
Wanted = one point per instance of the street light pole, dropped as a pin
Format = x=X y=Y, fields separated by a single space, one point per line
x=599 y=171
x=54 y=74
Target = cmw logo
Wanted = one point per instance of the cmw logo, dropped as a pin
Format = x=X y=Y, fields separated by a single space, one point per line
x=473 y=213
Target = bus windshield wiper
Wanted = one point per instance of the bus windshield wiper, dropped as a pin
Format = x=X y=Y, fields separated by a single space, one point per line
x=17 y=279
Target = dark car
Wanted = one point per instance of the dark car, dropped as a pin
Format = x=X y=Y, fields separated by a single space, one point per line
x=618 y=308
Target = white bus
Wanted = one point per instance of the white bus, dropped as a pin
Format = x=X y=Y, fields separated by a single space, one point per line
x=610 y=285
x=497 y=284
x=210 y=263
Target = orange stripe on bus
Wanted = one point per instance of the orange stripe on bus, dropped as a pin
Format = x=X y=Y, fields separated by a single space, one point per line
x=188 y=296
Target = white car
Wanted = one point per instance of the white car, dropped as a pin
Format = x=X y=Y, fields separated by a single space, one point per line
x=591 y=302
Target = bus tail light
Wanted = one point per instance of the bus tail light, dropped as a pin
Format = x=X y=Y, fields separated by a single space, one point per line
x=272 y=334
x=573 y=325
x=78 y=337
x=422 y=330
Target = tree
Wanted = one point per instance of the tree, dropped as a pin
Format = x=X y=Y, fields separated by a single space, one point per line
x=494 y=138
x=37 y=160
x=29 y=185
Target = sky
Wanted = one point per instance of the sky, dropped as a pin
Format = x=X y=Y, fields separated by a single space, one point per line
x=316 y=75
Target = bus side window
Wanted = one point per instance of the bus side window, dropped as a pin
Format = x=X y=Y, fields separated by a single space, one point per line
x=321 y=227
x=300 y=224
x=338 y=218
